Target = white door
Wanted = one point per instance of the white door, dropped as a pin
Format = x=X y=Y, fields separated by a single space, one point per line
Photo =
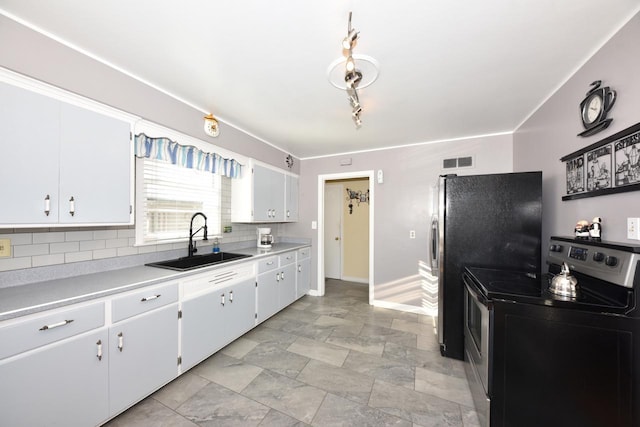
x=333 y=210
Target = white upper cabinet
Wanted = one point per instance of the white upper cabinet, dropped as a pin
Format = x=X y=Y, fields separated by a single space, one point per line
x=268 y=194
x=62 y=164
x=264 y=194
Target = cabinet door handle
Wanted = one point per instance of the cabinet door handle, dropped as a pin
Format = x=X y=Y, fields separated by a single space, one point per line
x=299 y=268
x=288 y=214
x=120 y=342
x=270 y=263
x=56 y=325
x=152 y=297
x=277 y=277
x=222 y=299
x=99 y=355
x=282 y=276
x=231 y=296
x=72 y=206
x=47 y=205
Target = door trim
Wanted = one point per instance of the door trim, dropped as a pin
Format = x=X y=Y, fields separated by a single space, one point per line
x=321 y=183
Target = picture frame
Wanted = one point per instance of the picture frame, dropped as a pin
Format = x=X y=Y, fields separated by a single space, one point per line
x=575 y=175
x=609 y=166
x=599 y=173
x=627 y=160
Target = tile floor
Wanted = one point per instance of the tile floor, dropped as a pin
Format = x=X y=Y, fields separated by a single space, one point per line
x=323 y=361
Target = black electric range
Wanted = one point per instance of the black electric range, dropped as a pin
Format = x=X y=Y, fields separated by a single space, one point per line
x=535 y=358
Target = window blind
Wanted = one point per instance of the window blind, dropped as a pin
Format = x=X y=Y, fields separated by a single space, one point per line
x=167 y=197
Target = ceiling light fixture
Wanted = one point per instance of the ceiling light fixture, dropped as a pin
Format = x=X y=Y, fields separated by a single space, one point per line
x=345 y=74
x=353 y=76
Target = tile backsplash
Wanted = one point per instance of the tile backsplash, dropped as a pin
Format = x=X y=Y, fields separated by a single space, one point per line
x=44 y=247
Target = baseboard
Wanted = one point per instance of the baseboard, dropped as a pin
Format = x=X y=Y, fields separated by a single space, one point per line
x=404 y=307
x=355 y=279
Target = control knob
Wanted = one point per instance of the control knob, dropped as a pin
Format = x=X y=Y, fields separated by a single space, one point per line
x=611 y=261
x=555 y=248
x=598 y=257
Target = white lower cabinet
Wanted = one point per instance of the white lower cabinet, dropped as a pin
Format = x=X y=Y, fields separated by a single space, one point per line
x=303 y=277
x=55 y=362
x=143 y=356
x=213 y=319
x=143 y=346
x=276 y=284
x=287 y=280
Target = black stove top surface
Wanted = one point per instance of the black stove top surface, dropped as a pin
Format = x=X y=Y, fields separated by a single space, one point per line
x=534 y=289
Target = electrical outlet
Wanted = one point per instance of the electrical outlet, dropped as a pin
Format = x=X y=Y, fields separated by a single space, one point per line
x=412 y=234
x=5 y=247
x=633 y=228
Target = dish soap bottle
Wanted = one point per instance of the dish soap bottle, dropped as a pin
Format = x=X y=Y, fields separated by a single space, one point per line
x=216 y=246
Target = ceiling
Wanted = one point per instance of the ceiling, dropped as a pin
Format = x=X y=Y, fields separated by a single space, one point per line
x=447 y=69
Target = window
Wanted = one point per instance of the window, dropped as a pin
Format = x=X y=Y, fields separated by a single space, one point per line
x=167 y=196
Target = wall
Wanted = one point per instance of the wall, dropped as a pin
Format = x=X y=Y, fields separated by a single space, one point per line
x=550 y=133
x=402 y=202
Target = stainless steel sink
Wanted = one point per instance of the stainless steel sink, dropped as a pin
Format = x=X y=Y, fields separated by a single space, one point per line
x=197 y=261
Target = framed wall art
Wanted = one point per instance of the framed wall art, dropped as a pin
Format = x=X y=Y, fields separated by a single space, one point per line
x=609 y=166
x=599 y=168
x=575 y=175
x=627 y=152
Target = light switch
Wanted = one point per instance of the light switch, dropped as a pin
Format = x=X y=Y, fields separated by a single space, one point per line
x=314 y=225
x=412 y=234
x=5 y=247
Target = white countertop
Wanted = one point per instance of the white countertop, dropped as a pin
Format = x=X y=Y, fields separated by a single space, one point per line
x=31 y=298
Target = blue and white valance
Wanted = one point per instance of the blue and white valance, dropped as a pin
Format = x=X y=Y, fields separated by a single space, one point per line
x=186 y=156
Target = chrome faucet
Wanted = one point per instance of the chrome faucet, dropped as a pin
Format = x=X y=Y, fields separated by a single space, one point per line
x=192 y=246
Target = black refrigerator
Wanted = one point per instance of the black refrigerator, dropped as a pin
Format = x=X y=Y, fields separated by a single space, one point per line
x=492 y=221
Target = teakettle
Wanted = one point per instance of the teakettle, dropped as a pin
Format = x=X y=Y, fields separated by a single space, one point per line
x=564 y=284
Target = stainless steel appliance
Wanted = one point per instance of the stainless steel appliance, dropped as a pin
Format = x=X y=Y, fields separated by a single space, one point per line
x=483 y=220
x=537 y=358
x=265 y=238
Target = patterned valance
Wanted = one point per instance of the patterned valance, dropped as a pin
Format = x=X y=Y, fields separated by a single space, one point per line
x=187 y=156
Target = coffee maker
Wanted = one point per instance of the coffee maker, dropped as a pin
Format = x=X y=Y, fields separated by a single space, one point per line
x=265 y=239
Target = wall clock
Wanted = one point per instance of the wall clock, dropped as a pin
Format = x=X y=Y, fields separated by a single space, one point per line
x=594 y=108
x=211 y=126
x=289 y=161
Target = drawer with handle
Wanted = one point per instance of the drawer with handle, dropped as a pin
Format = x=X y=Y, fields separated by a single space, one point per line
x=24 y=335
x=142 y=301
x=267 y=264
x=287 y=258
x=304 y=253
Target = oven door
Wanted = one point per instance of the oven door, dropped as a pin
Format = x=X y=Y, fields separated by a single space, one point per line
x=477 y=347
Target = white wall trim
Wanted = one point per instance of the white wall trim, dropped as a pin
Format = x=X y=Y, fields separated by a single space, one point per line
x=355 y=279
x=320 y=236
x=404 y=307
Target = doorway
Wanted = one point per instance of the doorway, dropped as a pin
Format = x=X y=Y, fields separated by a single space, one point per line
x=332 y=197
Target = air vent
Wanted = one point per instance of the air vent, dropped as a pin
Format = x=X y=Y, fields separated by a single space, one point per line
x=465 y=162
x=457 y=162
x=449 y=163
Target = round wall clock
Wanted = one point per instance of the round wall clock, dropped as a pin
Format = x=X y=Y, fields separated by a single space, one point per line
x=211 y=126
x=594 y=108
x=289 y=161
